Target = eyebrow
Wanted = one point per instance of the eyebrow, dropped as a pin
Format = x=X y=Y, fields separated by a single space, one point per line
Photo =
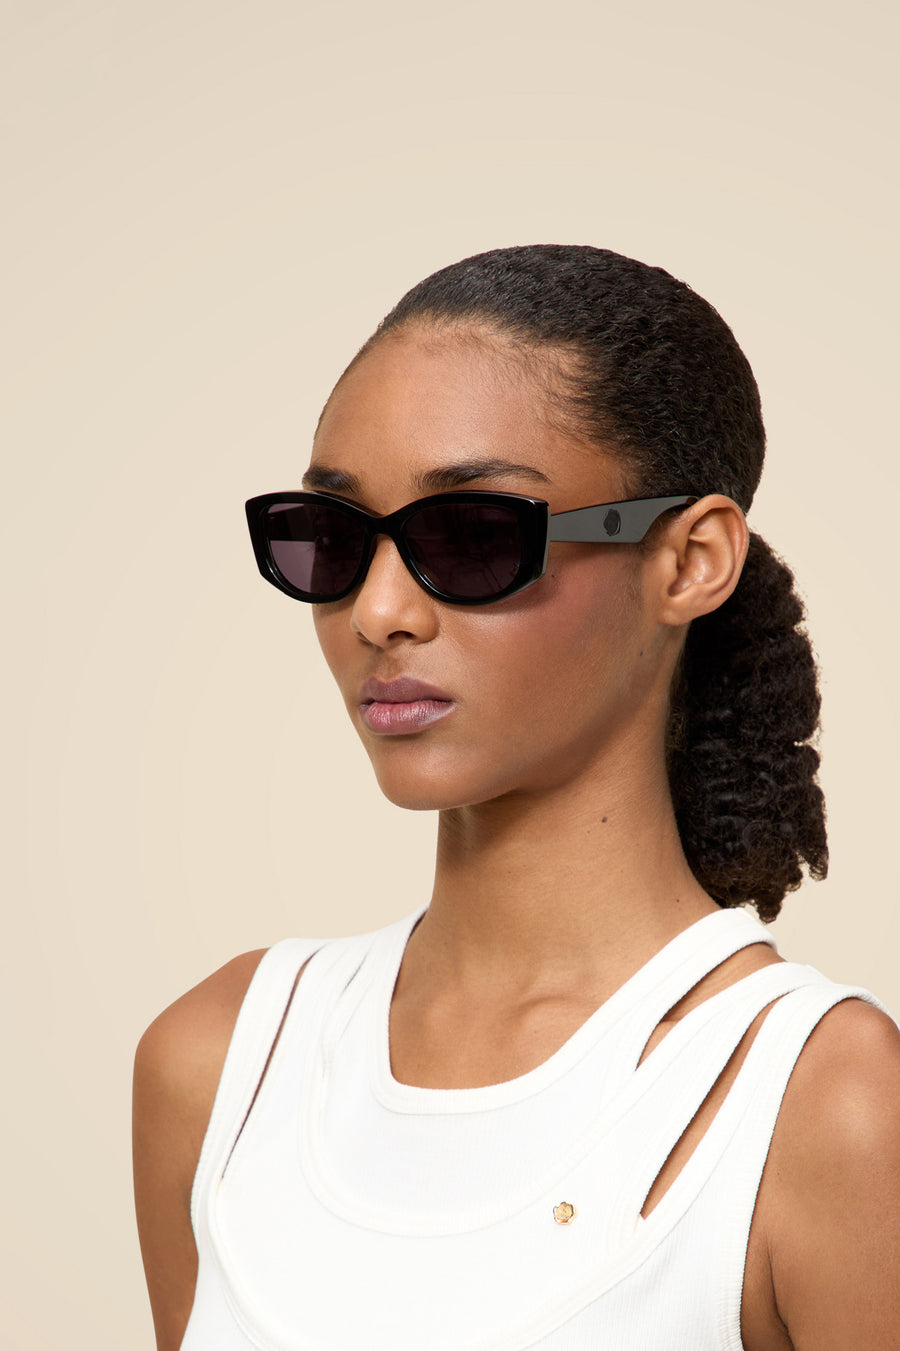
x=320 y=476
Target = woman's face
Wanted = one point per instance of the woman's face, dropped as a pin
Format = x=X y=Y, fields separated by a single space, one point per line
x=547 y=685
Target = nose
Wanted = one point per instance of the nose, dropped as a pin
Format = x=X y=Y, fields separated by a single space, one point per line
x=389 y=603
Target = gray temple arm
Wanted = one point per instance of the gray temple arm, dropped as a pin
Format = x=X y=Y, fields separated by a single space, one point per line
x=619 y=523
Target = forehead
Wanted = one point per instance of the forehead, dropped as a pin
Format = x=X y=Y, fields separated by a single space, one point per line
x=424 y=401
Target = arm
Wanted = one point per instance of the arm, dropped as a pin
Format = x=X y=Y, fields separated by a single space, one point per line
x=176 y=1072
x=834 y=1232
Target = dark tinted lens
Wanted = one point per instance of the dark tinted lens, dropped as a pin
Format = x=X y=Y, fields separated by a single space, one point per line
x=315 y=547
x=468 y=551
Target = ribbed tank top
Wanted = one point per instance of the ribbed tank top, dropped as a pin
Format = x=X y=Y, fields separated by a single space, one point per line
x=337 y=1209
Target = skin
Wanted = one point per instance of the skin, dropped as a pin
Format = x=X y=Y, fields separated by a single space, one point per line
x=550 y=766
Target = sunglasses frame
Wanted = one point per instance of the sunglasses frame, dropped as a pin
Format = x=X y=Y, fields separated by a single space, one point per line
x=604 y=523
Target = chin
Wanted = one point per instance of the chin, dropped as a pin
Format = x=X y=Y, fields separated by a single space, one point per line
x=422 y=796
x=434 y=792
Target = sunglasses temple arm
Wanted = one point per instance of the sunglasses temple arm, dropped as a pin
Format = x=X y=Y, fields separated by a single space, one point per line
x=619 y=523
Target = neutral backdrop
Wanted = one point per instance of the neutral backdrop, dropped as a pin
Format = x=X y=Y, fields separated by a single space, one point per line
x=207 y=207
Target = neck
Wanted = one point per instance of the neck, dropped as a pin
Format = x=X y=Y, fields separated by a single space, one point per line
x=573 y=887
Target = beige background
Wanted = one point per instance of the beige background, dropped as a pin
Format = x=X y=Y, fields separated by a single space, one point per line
x=207 y=207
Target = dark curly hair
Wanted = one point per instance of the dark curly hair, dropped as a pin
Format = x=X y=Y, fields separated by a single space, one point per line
x=641 y=364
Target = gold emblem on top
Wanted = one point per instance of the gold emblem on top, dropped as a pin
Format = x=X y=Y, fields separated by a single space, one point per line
x=564 y=1213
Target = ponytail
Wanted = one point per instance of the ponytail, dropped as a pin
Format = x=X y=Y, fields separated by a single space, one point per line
x=744 y=705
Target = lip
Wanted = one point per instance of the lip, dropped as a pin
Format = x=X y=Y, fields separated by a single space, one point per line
x=403 y=690
x=401 y=719
x=402 y=706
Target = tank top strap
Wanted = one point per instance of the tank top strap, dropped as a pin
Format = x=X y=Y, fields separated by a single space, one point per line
x=259 y=1018
x=649 y=995
x=762 y=1079
x=686 y=1064
x=744 y=1126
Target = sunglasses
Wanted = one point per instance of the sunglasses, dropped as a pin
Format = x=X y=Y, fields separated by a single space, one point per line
x=465 y=548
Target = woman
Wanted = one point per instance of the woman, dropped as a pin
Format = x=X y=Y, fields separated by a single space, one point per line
x=578 y=1099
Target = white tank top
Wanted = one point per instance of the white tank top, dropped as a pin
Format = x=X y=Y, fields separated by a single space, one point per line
x=349 y=1212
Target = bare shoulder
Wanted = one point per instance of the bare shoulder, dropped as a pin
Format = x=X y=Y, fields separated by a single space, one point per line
x=177 y=1068
x=183 y=1049
x=843 y=1093
x=833 y=1215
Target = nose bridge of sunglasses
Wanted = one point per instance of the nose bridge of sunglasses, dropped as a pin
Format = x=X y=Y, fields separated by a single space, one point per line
x=378 y=537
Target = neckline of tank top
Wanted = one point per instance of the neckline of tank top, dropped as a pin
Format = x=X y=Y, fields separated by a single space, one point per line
x=388 y=949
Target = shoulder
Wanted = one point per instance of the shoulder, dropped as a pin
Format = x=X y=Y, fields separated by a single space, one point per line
x=177 y=1067
x=209 y=1008
x=833 y=1215
x=182 y=1051
x=845 y=1088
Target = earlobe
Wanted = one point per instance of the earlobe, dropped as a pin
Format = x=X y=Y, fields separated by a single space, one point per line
x=702 y=557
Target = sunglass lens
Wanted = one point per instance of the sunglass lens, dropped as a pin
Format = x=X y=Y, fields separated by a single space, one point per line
x=317 y=548
x=470 y=552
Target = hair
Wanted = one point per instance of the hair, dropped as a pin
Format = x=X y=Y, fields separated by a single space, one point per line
x=642 y=366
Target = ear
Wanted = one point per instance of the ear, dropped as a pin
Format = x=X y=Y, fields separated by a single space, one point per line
x=699 y=559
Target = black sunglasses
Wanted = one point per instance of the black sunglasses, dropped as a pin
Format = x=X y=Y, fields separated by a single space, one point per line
x=465 y=548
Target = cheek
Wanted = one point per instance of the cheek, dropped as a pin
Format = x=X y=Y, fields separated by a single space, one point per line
x=332 y=628
x=558 y=682
x=580 y=644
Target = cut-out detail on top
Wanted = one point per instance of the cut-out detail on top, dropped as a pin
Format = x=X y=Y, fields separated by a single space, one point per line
x=265 y=1069
x=700 y=1123
x=731 y=969
x=260 y=1019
